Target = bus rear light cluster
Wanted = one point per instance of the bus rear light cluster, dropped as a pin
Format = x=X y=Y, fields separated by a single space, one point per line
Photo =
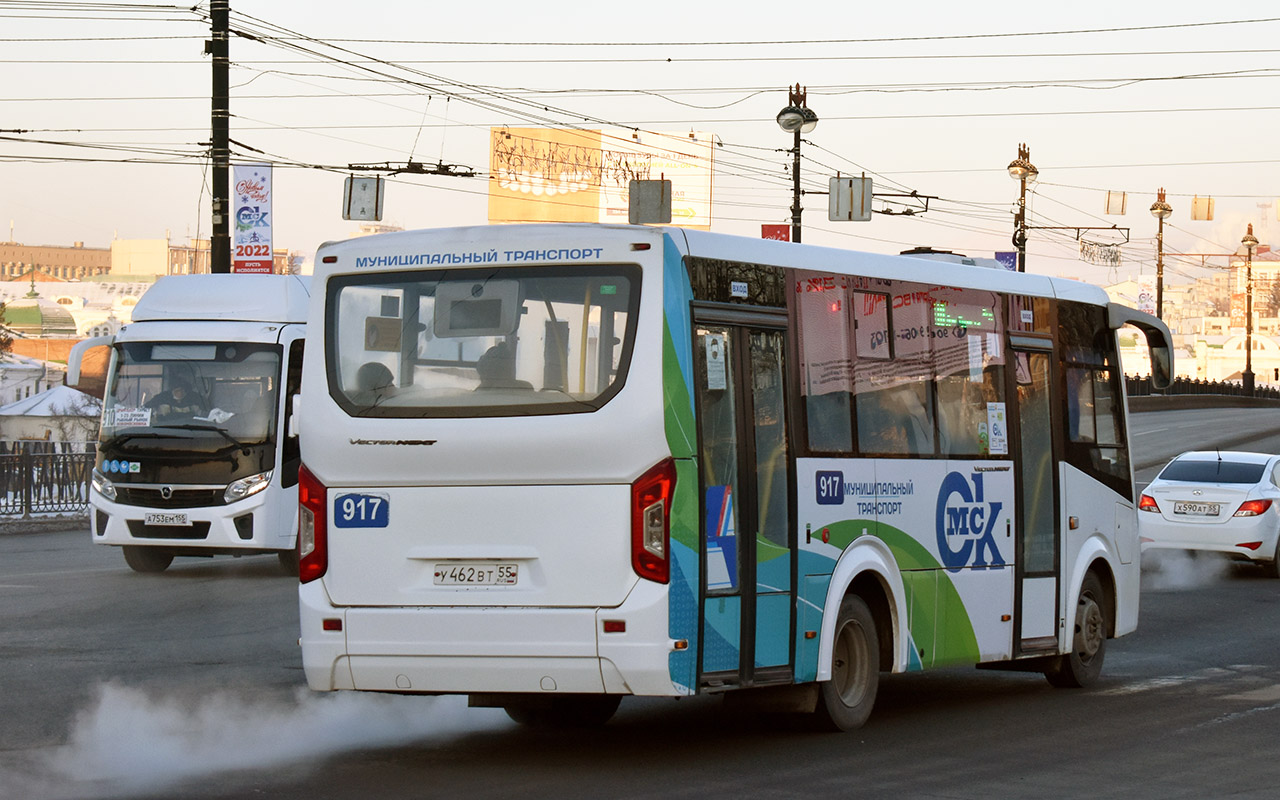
x=313 y=539
x=651 y=496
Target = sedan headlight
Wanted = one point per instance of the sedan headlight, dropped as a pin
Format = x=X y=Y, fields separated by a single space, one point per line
x=103 y=486
x=246 y=487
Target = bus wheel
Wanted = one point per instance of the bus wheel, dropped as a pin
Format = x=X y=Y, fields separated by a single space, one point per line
x=147 y=559
x=1083 y=664
x=288 y=561
x=572 y=711
x=845 y=701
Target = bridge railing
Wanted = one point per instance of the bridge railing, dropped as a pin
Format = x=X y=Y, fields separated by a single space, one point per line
x=45 y=477
x=1140 y=386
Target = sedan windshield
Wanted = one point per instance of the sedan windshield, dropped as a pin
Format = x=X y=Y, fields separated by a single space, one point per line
x=1218 y=471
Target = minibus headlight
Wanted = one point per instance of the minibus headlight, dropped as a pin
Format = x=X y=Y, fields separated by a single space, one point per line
x=246 y=487
x=103 y=486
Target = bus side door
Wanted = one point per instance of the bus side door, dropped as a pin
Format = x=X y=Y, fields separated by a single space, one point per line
x=1038 y=561
x=747 y=550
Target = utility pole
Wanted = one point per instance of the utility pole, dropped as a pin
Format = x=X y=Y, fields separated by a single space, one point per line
x=1161 y=210
x=1023 y=171
x=219 y=48
x=1250 y=243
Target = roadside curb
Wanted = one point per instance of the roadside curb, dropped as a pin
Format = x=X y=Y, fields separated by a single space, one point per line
x=18 y=526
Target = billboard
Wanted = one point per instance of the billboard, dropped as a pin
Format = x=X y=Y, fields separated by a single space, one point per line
x=1147 y=293
x=251 y=222
x=571 y=175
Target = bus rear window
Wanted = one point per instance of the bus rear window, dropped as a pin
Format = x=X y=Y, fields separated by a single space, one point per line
x=494 y=342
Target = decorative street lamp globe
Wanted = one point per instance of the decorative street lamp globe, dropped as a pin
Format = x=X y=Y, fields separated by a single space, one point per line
x=1160 y=209
x=797 y=118
x=1021 y=169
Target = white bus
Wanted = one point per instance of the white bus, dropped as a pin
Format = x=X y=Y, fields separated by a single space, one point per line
x=193 y=459
x=548 y=466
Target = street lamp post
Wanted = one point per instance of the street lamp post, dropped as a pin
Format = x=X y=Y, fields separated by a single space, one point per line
x=1161 y=211
x=1250 y=243
x=1024 y=172
x=796 y=118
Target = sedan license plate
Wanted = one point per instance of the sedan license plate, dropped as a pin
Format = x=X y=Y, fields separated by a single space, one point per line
x=163 y=518
x=1195 y=509
x=462 y=574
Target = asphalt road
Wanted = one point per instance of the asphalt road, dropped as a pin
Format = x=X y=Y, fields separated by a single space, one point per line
x=189 y=684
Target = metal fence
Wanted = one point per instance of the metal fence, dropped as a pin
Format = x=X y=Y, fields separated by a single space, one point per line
x=44 y=478
x=1140 y=386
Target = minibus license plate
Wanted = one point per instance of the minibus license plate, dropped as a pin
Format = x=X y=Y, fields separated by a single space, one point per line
x=162 y=518
x=1196 y=509
x=476 y=574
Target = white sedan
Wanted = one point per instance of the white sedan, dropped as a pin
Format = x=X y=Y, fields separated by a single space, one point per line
x=1224 y=502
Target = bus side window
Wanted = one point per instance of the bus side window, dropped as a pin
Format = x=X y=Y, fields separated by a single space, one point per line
x=823 y=310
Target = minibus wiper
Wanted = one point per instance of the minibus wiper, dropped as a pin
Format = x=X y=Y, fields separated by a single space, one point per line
x=243 y=447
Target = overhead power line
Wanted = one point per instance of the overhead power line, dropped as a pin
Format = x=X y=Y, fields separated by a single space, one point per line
x=874 y=40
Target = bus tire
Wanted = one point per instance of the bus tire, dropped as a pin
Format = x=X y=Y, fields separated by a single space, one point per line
x=147 y=559
x=1081 y=667
x=845 y=701
x=567 y=712
x=288 y=561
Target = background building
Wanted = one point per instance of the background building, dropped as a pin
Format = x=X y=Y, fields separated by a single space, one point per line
x=77 y=262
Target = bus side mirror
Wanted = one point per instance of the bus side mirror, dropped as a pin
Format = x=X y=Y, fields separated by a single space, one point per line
x=295 y=402
x=76 y=355
x=1159 y=340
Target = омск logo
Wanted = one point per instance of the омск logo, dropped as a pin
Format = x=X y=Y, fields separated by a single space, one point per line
x=965 y=522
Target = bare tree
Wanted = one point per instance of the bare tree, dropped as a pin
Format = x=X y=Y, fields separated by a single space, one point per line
x=78 y=420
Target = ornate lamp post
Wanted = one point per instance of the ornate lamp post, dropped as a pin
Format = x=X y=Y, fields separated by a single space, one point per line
x=1024 y=172
x=796 y=118
x=1161 y=211
x=1250 y=243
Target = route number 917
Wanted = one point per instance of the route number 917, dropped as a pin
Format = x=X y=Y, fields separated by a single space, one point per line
x=361 y=511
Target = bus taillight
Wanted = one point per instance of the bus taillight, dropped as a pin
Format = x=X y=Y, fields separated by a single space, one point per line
x=651 y=521
x=313 y=544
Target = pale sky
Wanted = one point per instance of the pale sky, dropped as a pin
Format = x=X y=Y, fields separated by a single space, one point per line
x=940 y=109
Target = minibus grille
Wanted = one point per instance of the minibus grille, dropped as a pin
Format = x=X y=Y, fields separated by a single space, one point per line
x=154 y=496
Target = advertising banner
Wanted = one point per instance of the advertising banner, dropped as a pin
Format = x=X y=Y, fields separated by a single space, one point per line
x=1147 y=293
x=571 y=175
x=251 y=223
x=1238 y=307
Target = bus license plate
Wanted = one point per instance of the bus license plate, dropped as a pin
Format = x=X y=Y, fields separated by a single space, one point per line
x=1196 y=509
x=161 y=518
x=476 y=574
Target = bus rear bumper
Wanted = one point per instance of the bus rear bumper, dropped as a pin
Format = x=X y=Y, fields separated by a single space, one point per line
x=464 y=650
